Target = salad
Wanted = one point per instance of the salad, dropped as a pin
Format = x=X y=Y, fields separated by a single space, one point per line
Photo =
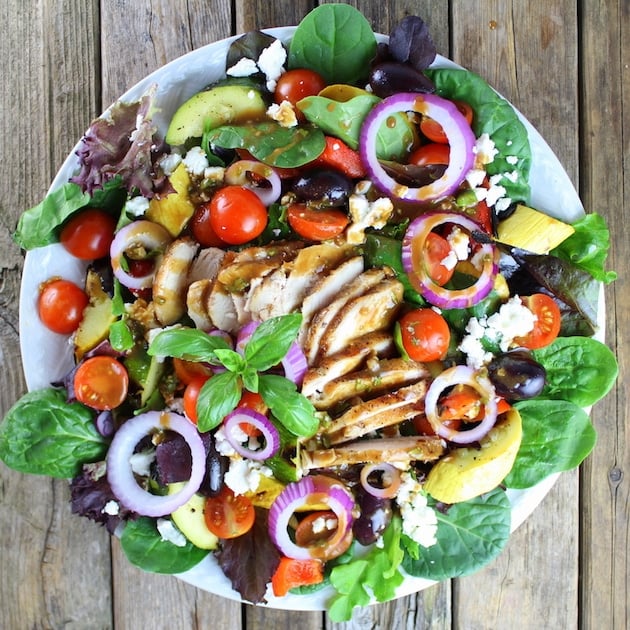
x=320 y=332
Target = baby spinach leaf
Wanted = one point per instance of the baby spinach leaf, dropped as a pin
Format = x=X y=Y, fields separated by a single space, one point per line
x=335 y=40
x=144 y=547
x=190 y=344
x=43 y=434
x=269 y=142
x=557 y=436
x=581 y=370
x=496 y=117
x=469 y=535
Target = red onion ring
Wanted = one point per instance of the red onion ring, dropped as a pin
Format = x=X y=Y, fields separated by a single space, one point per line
x=311 y=491
x=146 y=234
x=237 y=175
x=391 y=480
x=461 y=375
x=413 y=259
x=458 y=132
x=121 y=477
x=260 y=422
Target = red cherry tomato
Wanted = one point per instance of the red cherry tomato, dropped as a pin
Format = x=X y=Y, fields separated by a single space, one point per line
x=429 y=154
x=237 y=215
x=88 y=234
x=186 y=371
x=548 y=321
x=191 y=395
x=294 y=85
x=228 y=515
x=60 y=305
x=201 y=227
x=316 y=225
x=101 y=382
x=424 y=334
x=433 y=130
x=436 y=249
x=252 y=400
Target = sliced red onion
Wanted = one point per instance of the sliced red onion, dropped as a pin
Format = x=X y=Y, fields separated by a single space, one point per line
x=246 y=173
x=461 y=375
x=244 y=335
x=231 y=427
x=121 y=477
x=140 y=234
x=311 y=491
x=390 y=476
x=413 y=260
x=458 y=132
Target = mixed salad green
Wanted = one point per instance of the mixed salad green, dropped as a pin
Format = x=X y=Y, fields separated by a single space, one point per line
x=310 y=340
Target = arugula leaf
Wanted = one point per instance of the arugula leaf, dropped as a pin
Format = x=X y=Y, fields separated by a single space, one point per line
x=190 y=344
x=271 y=341
x=469 y=535
x=144 y=547
x=219 y=395
x=335 y=40
x=43 y=434
x=557 y=436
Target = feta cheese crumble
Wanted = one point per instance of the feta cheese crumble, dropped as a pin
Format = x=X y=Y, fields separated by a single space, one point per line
x=283 y=113
x=196 y=161
x=137 y=206
x=170 y=533
x=111 y=508
x=365 y=213
x=419 y=521
x=271 y=63
x=244 y=475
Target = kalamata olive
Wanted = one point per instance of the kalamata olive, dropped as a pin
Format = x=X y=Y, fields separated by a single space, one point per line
x=375 y=516
x=516 y=375
x=323 y=186
x=216 y=467
x=390 y=77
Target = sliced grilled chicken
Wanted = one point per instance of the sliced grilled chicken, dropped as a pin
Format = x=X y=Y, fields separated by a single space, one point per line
x=221 y=309
x=196 y=303
x=171 y=280
x=373 y=310
x=206 y=265
x=398 y=450
x=385 y=411
x=386 y=375
x=376 y=344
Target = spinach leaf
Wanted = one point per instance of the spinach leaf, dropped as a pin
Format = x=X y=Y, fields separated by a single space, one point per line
x=469 y=535
x=144 y=548
x=269 y=142
x=335 y=40
x=557 y=436
x=588 y=247
x=496 y=117
x=581 y=370
x=43 y=434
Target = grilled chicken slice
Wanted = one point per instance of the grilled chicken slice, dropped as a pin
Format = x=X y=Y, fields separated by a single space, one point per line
x=385 y=411
x=384 y=376
x=206 y=265
x=221 y=309
x=376 y=344
x=373 y=310
x=196 y=303
x=171 y=280
x=397 y=450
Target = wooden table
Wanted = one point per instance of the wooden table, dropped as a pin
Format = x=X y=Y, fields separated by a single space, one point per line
x=564 y=64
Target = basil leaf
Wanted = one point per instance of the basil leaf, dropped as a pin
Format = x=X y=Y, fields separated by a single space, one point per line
x=218 y=396
x=581 y=370
x=292 y=409
x=230 y=359
x=557 y=436
x=335 y=40
x=144 y=547
x=271 y=341
x=189 y=344
x=496 y=117
x=120 y=336
x=469 y=535
x=250 y=379
x=43 y=434
x=269 y=142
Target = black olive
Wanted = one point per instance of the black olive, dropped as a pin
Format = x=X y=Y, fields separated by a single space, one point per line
x=390 y=77
x=216 y=467
x=516 y=375
x=375 y=516
x=324 y=187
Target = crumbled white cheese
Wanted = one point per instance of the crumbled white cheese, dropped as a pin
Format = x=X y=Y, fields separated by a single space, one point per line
x=365 y=214
x=112 y=508
x=472 y=346
x=271 y=63
x=419 y=521
x=459 y=242
x=170 y=533
x=221 y=443
x=214 y=175
x=322 y=524
x=137 y=206
x=283 y=113
x=141 y=462
x=243 y=475
x=170 y=163
x=512 y=159
x=475 y=177
x=244 y=67
x=484 y=150
x=502 y=204
x=196 y=161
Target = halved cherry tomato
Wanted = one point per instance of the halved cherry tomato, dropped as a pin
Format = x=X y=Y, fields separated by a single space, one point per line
x=481 y=213
x=191 y=395
x=228 y=515
x=423 y=426
x=252 y=400
x=61 y=304
x=436 y=249
x=548 y=321
x=88 y=234
x=292 y=573
x=425 y=334
x=294 y=85
x=461 y=403
x=340 y=156
x=432 y=153
x=316 y=225
x=433 y=130
x=201 y=227
x=237 y=215
x=186 y=371
x=101 y=382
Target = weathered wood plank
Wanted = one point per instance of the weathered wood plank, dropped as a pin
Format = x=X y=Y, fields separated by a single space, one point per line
x=605 y=128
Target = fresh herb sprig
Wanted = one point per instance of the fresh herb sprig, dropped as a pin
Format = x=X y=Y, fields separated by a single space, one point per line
x=248 y=369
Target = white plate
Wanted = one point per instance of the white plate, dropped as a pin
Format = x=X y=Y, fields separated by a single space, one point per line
x=47 y=357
